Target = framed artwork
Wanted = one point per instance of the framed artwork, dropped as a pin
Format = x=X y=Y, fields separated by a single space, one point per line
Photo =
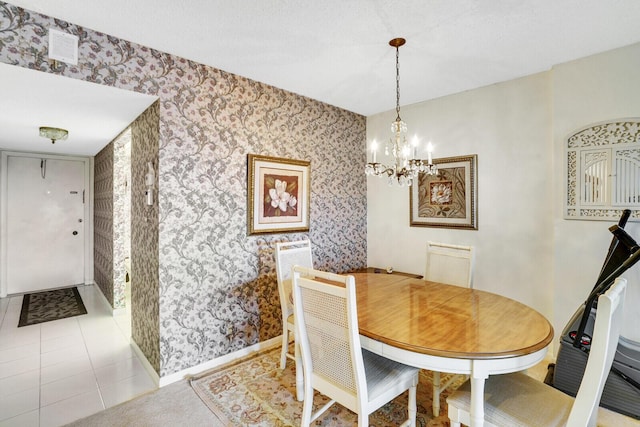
x=278 y=194
x=448 y=199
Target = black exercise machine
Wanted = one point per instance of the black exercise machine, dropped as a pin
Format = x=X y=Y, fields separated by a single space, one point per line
x=622 y=390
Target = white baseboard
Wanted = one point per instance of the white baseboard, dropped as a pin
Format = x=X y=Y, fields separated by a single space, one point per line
x=194 y=370
x=185 y=373
x=143 y=359
x=119 y=311
x=114 y=311
x=181 y=375
x=105 y=301
x=145 y=363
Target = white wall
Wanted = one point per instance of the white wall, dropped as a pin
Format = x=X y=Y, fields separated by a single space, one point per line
x=590 y=90
x=525 y=249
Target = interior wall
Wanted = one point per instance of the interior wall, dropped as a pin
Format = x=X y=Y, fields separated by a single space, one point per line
x=526 y=250
x=145 y=285
x=121 y=213
x=103 y=221
x=216 y=285
x=111 y=166
x=590 y=90
x=508 y=126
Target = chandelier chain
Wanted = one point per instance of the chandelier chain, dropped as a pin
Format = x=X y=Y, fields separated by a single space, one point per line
x=398 y=83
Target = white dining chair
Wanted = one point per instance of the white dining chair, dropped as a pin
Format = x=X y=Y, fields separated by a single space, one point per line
x=453 y=265
x=450 y=264
x=333 y=361
x=520 y=400
x=287 y=255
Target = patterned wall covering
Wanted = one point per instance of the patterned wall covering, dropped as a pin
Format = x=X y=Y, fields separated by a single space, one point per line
x=103 y=221
x=121 y=215
x=111 y=170
x=217 y=288
x=145 y=295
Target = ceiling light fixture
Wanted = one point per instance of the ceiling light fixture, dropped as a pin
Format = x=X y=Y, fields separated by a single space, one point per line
x=406 y=165
x=54 y=134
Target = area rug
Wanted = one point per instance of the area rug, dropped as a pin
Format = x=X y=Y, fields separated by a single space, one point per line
x=255 y=392
x=46 y=306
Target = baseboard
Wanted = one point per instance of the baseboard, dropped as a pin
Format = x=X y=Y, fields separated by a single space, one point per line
x=219 y=361
x=114 y=311
x=178 y=376
x=102 y=298
x=145 y=363
x=119 y=311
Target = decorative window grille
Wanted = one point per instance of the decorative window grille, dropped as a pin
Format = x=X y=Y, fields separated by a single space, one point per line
x=603 y=171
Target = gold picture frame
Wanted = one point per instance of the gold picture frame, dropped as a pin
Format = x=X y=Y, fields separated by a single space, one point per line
x=278 y=194
x=448 y=199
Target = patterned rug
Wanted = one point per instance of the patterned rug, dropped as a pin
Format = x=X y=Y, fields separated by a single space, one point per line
x=46 y=306
x=255 y=392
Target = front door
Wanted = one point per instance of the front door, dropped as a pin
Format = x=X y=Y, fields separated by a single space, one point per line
x=45 y=223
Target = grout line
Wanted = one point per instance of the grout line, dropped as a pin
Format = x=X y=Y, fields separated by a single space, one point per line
x=40 y=380
x=90 y=311
x=95 y=311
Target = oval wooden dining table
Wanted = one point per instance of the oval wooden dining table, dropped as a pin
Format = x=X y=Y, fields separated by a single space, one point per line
x=448 y=328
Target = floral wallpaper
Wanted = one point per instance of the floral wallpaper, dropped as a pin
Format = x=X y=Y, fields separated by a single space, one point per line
x=216 y=286
x=110 y=230
x=144 y=237
x=121 y=213
x=103 y=222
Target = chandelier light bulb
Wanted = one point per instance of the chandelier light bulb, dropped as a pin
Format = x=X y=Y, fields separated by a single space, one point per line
x=374 y=150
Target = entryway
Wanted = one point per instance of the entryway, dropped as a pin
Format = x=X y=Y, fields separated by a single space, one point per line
x=44 y=227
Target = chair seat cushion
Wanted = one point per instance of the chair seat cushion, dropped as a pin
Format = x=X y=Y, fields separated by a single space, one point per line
x=517 y=400
x=383 y=373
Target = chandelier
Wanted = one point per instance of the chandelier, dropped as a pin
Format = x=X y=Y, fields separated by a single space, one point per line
x=406 y=166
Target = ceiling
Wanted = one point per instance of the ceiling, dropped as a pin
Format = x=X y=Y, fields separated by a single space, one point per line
x=93 y=114
x=337 y=51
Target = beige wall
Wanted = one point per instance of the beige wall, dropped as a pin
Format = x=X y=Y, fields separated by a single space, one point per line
x=507 y=126
x=525 y=249
x=594 y=89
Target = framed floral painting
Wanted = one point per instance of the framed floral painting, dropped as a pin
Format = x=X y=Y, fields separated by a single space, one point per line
x=448 y=199
x=278 y=194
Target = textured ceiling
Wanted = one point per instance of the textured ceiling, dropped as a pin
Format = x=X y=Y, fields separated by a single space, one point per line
x=337 y=51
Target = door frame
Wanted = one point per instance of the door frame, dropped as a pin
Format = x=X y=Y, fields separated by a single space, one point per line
x=88 y=212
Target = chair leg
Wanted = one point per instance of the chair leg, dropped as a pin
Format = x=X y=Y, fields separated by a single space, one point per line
x=299 y=374
x=285 y=347
x=307 y=407
x=454 y=416
x=436 y=394
x=412 y=406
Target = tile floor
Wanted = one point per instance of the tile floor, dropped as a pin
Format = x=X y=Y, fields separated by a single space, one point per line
x=57 y=372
